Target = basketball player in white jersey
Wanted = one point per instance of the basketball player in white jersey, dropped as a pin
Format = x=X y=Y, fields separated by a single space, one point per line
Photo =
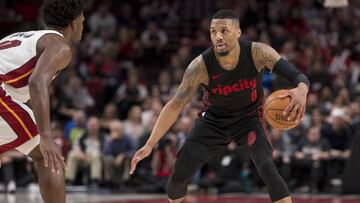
x=28 y=63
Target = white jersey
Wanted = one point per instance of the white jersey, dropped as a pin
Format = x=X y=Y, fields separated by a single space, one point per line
x=18 y=58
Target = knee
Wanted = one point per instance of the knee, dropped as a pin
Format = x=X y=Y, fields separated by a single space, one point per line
x=267 y=170
x=36 y=155
x=178 y=177
x=175 y=185
x=263 y=163
x=174 y=182
x=38 y=159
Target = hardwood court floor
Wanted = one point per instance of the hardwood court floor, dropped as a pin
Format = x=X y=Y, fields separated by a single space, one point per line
x=142 y=198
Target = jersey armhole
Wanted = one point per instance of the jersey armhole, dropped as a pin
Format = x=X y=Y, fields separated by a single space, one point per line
x=208 y=60
x=250 y=43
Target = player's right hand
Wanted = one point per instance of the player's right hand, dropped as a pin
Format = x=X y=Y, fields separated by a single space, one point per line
x=140 y=155
x=52 y=154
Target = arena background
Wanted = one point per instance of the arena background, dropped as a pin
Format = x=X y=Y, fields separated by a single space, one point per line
x=129 y=64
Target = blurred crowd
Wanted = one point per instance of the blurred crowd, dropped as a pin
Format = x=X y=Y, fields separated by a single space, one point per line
x=131 y=60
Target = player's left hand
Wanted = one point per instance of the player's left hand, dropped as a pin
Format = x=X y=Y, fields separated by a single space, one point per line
x=296 y=108
x=52 y=154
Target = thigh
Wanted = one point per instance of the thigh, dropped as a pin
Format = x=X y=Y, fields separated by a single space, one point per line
x=18 y=127
x=252 y=131
x=206 y=142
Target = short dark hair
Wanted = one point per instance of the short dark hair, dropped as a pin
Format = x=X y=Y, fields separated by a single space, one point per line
x=61 y=13
x=226 y=14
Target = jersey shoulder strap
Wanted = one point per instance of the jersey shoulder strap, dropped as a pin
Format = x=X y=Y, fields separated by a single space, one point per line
x=208 y=57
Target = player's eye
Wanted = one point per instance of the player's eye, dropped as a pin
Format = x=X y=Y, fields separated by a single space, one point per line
x=213 y=31
x=225 y=31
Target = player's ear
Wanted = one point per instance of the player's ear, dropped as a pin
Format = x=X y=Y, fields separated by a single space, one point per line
x=73 y=25
x=238 y=32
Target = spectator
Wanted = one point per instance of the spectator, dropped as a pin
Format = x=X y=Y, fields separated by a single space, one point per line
x=118 y=151
x=133 y=125
x=163 y=160
x=130 y=93
x=12 y=161
x=127 y=43
x=310 y=160
x=337 y=131
x=110 y=113
x=103 y=19
x=165 y=86
x=153 y=40
x=322 y=41
x=184 y=127
x=354 y=109
x=76 y=127
x=281 y=152
x=77 y=94
x=151 y=107
x=87 y=152
x=144 y=174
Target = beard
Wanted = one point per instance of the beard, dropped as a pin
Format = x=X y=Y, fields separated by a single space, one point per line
x=223 y=53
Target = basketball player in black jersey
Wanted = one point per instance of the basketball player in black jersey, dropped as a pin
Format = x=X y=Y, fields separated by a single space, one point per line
x=231 y=73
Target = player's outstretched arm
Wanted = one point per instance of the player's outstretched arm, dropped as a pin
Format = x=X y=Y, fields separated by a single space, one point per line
x=266 y=56
x=195 y=74
x=54 y=55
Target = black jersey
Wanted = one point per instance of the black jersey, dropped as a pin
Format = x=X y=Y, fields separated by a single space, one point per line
x=231 y=94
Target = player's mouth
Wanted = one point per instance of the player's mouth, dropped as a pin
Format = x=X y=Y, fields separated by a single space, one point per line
x=220 y=46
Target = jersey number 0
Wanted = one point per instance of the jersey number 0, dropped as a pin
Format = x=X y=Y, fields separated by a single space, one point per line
x=9 y=43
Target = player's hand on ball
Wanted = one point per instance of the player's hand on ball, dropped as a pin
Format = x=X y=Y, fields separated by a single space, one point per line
x=296 y=108
x=52 y=154
x=140 y=155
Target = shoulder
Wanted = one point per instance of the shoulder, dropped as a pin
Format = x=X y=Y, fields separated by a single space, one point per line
x=197 y=70
x=54 y=43
x=198 y=62
x=196 y=66
x=257 y=47
x=264 y=55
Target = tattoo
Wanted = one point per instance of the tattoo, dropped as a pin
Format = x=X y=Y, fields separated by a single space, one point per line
x=264 y=55
x=194 y=75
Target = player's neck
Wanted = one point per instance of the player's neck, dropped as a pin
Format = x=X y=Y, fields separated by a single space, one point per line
x=62 y=31
x=231 y=60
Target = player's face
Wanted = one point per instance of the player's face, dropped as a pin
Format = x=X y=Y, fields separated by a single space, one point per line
x=78 y=28
x=224 y=35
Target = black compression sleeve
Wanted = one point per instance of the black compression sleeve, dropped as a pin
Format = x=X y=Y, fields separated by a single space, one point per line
x=288 y=71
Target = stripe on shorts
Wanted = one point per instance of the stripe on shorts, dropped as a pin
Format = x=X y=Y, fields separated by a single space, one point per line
x=19 y=120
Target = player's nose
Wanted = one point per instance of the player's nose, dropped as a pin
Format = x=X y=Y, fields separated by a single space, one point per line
x=219 y=37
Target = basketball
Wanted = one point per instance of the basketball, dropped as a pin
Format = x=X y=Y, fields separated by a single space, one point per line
x=273 y=111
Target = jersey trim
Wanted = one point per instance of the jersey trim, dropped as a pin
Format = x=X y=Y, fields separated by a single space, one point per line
x=20 y=76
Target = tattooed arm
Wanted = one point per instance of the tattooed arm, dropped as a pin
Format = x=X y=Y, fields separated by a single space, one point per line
x=195 y=74
x=264 y=56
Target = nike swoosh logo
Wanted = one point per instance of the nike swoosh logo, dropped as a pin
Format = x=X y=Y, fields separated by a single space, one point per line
x=214 y=77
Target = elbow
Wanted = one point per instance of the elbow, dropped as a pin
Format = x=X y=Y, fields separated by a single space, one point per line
x=35 y=85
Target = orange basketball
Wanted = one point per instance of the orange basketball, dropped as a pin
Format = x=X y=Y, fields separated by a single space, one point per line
x=274 y=108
